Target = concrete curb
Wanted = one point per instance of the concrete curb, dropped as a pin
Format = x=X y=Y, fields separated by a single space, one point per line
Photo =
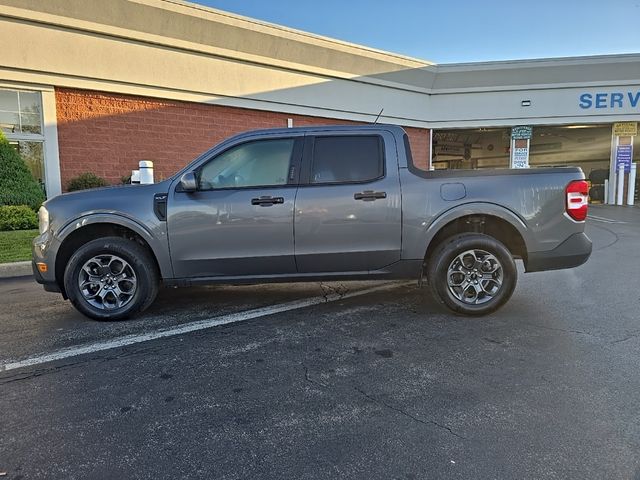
x=15 y=269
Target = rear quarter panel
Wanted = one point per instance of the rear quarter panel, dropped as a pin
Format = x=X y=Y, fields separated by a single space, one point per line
x=532 y=200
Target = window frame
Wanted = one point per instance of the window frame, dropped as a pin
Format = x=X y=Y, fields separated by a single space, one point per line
x=292 y=177
x=309 y=157
x=48 y=135
x=20 y=135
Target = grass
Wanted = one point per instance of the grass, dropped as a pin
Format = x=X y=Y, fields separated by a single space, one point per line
x=15 y=246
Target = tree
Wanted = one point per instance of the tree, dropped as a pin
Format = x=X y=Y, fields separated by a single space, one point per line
x=17 y=185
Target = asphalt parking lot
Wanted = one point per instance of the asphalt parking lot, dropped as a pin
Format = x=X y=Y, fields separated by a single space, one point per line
x=371 y=385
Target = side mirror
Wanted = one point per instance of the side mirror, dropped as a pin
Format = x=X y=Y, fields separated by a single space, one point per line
x=188 y=182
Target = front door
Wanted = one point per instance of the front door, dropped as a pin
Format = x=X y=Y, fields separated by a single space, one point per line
x=240 y=220
x=348 y=208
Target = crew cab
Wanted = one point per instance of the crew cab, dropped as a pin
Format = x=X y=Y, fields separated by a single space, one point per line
x=307 y=204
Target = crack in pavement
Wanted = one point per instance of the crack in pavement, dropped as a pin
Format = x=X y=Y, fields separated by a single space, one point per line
x=308 y=378
x=555 y=329
x=37 y=373
x=339 y=290
x=624 y=339
x=615 y=235
x=408 y=415
x=106 y=356
x=580 y=332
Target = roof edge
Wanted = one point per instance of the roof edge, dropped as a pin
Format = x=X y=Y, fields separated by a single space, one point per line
x=519 y=63
x=291 y=30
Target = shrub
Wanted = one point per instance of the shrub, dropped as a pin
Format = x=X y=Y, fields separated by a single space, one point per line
x=17 y=185
x=17 y=217
x=85 y=181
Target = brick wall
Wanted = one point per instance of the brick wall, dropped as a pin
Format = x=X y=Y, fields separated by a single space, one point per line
x=108 y=134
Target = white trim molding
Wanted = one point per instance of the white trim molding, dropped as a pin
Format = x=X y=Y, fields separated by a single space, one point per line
x=53 y=182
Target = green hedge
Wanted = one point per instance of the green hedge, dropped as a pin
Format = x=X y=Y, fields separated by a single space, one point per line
x=85 y=181
x=20 y=217
x=17 y=185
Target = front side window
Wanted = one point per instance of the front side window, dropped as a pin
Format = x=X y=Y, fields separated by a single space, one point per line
x=347 y=159
x=252 y=164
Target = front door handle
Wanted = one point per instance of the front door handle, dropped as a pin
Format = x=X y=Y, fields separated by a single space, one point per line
x=266 y=201
x=369 y=195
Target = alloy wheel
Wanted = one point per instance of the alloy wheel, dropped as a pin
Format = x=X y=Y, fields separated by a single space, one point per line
x=475 y=277
x=107 y=282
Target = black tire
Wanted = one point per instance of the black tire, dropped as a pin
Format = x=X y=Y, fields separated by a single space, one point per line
x=597 y=193
x=141 y=263
x=598 y=176
x=449 y=251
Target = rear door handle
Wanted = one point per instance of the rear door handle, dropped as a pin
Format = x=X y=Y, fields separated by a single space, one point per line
x=266 y=201
x=369 y=195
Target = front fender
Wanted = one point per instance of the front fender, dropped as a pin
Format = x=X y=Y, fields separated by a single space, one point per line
x=155 y=235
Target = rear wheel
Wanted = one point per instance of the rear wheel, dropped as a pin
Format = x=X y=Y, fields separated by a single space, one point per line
x=111 y=278
x=472 y=274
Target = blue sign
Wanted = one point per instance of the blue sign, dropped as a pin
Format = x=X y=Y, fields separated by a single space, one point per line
x=624 y=156
x=610 y=100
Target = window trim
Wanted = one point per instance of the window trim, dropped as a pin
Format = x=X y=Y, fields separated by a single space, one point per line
x=308 y=159
x=417 y=171
x=294 y=161
x=20 y=135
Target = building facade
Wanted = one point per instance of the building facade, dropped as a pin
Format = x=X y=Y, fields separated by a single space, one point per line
x=93 y=86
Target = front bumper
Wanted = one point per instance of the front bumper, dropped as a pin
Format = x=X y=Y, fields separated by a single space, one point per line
x=48 y=285
x=573 y=252
x=43 y=250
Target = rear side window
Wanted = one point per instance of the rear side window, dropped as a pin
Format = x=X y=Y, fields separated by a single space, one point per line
x=347 y=159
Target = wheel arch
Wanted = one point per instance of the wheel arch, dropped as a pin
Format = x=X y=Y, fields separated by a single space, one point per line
x=493 y=220
x=85 y=229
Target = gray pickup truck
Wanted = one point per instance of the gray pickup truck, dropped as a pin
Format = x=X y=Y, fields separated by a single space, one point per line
x=317 y=203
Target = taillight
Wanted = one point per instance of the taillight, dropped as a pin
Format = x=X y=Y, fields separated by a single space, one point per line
x=577 y=200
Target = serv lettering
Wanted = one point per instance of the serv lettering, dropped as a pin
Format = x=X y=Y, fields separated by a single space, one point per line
x=610 y=100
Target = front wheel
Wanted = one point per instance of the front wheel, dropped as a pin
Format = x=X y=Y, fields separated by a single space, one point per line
x=472 y=274
x=111 y=278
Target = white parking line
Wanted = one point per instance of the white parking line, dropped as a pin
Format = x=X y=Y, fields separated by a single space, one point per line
x=604 y=220
x=188 y=327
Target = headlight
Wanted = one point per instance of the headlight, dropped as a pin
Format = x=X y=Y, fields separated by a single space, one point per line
x=43 y=219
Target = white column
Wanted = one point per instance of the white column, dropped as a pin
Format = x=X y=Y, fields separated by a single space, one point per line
x=620 y=192
x=51 y=152
x=631 y=190
x=431 y=167
x=613 y=182
x=611 y=199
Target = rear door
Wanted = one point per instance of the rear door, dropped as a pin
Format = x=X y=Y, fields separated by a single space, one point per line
x=348 y=206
